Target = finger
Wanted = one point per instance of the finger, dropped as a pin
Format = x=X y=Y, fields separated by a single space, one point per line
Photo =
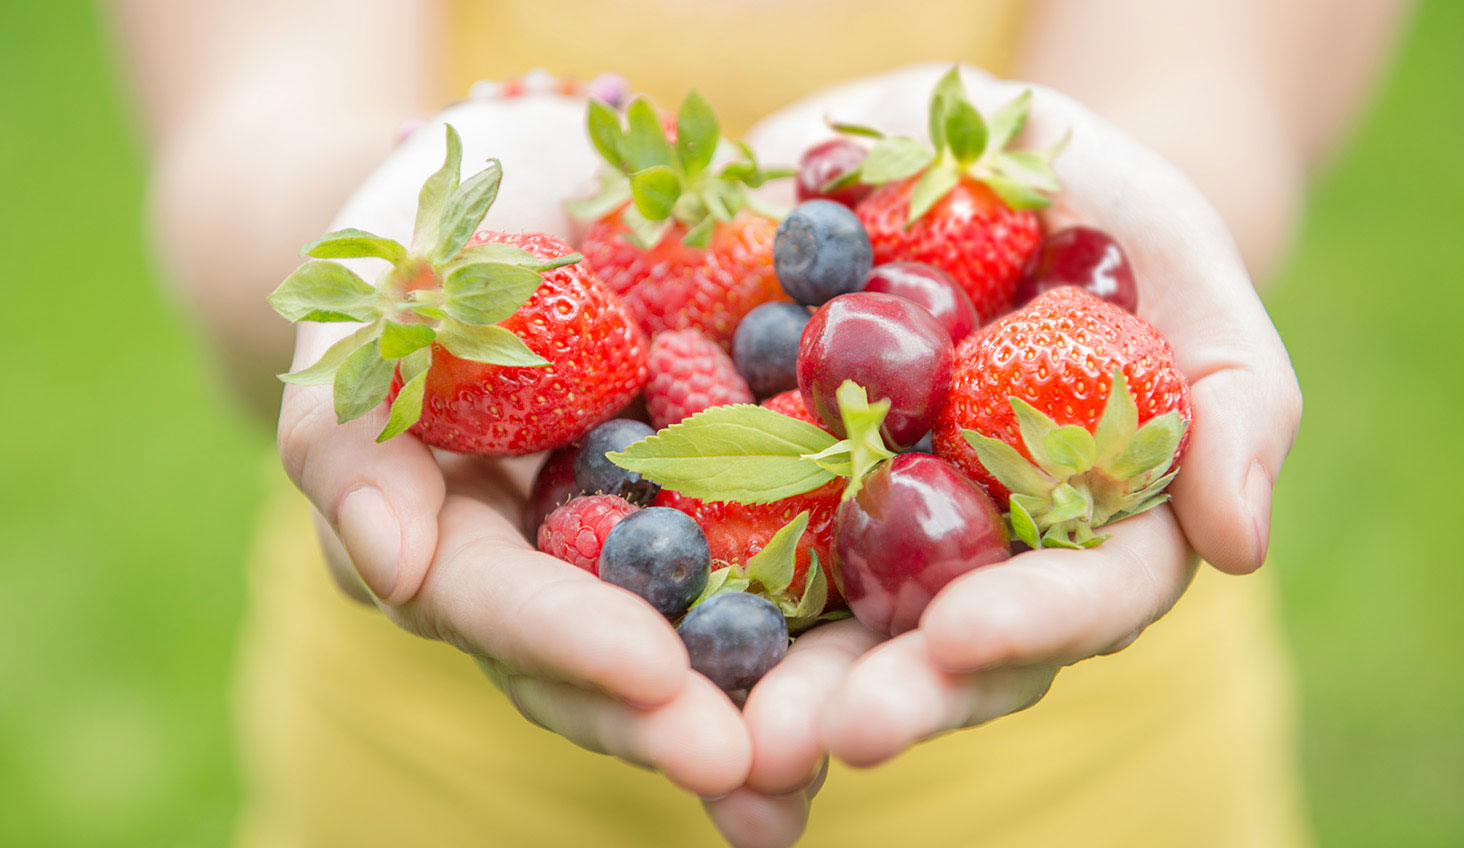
x=697 y=739
x=895 y=696
x=750 y=819
x=1056 y=607
x=382 y=500
x=488 y=593
x=783 y=710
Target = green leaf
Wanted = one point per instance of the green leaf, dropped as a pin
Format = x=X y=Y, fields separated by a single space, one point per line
x=432 y=199
x=488 y=292
x=1057 y=537
x=701 y=234
x=465 y=210
x=948 y=90
x=605 y=133
x=715 y=581
x=398 y=340
x=1008 y=466
x=505 y=253
x=1151 y=449
x=837 y=459
x=894 y=158
x=406 y=408
x=1023 y=527
x=1068 y=504
x=490 y=344
x=1028 y=168
x=935 y=183
x=361 y=383
x=354 y=244
x=1007 y=121
x=740 y=452
x=965 y=132
x=645 y=143
x=1070 y=447
x=848 y=178
x=773 y=565
x=655 y=191
x=854 y=129
x=1034 y=426
x=324 y=291
x=322 y=373
x=1015 y=194
x=862 y=422
x=697 y=132
x=613 y=194
x=815 y=596
x=644 y=233
x=1117 y=424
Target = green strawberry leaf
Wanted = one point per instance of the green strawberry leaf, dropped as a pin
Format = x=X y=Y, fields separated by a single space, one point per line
x=1068 y=504
x=432 y=199
x=965 y=131
x=1007 y=121
x=701 y=234
x=490 y=344
x=1015 y=194
x=354 y=244
x=715 y=581
x=506 y=254
x=862 y=421
x=645 y=143
x=613 y=194
x=1151 y=449
x=644 y=232
x=697 y=132
x=655 y=191
x=361 y=383
x=741 y=452
x=935 y=183
x=815 y=597
x=1071 y=447
x=605 y=133
x=1034 y=426
x=837 y=459
x=488 y=292
x=1118 y=423
x=846 y=128
x=1008 y=466
x=846 y=179
x=464 y=211
x=322 y=373
x=947 y=92
x=894 y=158
x=325 y=291
x=1023 y=527
x=406 y=408
x=398 y=340
x=773 y=566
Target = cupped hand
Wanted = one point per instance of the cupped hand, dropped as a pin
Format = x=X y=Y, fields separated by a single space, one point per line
x=993 y=640
x=436 y=537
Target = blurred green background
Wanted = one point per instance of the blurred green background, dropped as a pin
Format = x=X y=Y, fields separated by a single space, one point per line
x=128 y=484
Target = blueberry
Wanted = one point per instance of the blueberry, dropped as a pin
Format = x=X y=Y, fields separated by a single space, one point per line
x=765 y=347
x=821 y=251
x=660 y=554
x=734 y=639
x=596 y=475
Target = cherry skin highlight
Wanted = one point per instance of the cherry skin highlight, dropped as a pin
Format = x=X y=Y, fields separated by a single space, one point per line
x=825 y=162
x=1083 y=257
x=930 y=287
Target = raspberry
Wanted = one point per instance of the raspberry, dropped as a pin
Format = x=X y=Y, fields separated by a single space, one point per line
x=576 y=531
x=689 y=373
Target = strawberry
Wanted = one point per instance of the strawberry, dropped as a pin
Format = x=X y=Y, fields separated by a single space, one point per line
x=964 y=206
x=497 y=344
x=689 y=373
x=790 y=403
x=1071 y=411
x=683 y=244
x=576 y=531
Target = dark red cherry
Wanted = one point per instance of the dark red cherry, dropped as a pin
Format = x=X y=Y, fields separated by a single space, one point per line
x=917 y=524
x=930 y=287
x=892 y=347
x=1084 y=257
x=825 y=162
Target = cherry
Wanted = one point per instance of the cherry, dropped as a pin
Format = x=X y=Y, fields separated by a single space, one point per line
x=917 y=524
x=1084 y=257
x=892 y=347
x=930 y=287
x=553 y=486
x=827 y=161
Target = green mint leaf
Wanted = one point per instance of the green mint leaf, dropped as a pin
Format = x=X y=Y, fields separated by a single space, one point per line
x=740 y=453
x=701 y=234
x=432 y=199
x=965 y=132
x=1151 y=449
x=324 y=291
x=1015 y=194
x=406 y=408
x=697 y=132
x=1008 y=466
x=322 y=373
x=398 y=340
x=854 y=129
x=488 y=292
x=894 y=158
x=1007 y=121
x=645 y=143
x=655 y=191
x=947 y=92
x=354 y=244
x=1023 y=527
x=1117 y=424
x=935 y=183
x=644 y=233
x=465 y=210
x=489 y=344
x=773 y=565
x=862 y=422
x=605 y=133
x=361 y=383
x=1071 y=447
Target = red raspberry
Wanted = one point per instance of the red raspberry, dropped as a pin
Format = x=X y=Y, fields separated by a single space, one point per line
x=689 y=373
x=575 y=531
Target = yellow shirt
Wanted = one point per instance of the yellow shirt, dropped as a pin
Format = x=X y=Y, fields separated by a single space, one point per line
x=354 y=733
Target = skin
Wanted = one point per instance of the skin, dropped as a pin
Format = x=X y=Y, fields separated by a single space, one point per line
x=427 y=537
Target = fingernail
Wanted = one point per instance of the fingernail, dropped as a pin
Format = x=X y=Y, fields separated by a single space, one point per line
x=1258 y=498
x=372 y=538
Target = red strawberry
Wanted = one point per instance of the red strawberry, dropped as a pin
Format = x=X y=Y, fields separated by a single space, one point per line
x=791 y=404
x=576 y=531
x=689 y=373
x=1045 y=427
x=492 y=343
x=681 y=244
x=965 y=206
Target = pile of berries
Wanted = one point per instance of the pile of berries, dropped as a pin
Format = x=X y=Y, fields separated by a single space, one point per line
x=763 y=421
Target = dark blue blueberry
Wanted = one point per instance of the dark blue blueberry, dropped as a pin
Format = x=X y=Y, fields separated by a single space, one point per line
x=660 y=554
x=596 y=475
x=925 y=445
x=821 y=252
x=765 y=347
x=734 y=639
